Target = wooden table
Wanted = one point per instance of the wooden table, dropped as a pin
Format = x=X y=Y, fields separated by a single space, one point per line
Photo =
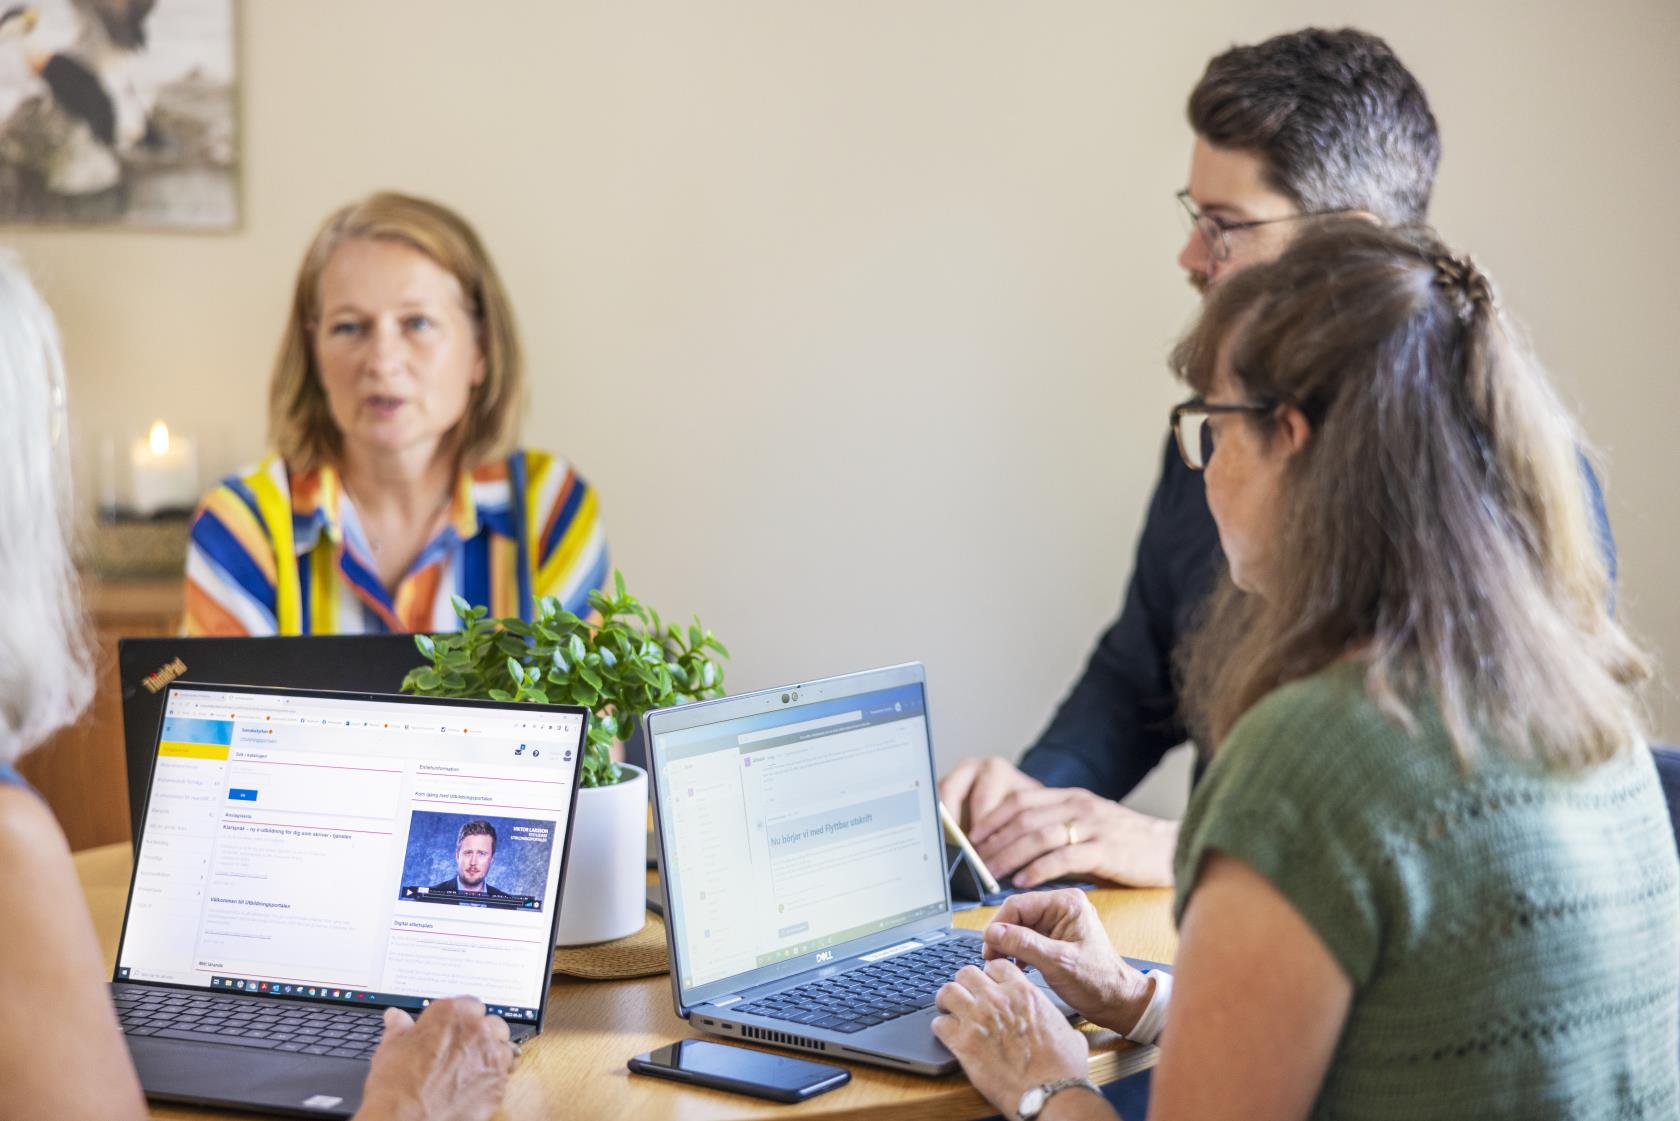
x=576 y=1067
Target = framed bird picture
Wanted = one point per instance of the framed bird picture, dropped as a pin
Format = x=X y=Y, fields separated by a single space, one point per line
x=118 y=113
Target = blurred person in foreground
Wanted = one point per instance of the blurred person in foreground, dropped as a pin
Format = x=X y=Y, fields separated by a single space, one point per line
x=61 y=1053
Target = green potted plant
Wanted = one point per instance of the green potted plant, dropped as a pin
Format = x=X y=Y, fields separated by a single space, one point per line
x=619 y=666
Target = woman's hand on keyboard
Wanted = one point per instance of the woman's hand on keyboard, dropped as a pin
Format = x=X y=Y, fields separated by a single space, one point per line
x=1060 y=933
x=450 y=1065
x=1006 y=1033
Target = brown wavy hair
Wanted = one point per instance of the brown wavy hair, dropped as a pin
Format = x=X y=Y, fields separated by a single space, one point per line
x=1436 y=524
x=301 y=425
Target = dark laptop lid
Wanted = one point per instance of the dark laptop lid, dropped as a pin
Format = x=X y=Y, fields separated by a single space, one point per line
x=353 y=663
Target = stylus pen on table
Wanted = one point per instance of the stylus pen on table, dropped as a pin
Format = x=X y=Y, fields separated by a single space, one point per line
x=955 y=835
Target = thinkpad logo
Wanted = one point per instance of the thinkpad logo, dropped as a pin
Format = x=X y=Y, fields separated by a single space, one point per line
x=163 y=675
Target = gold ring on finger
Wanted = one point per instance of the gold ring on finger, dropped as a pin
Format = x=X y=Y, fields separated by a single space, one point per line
x=1072 y=832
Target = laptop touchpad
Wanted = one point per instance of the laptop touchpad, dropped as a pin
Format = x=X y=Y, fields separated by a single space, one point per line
x=194 y=1073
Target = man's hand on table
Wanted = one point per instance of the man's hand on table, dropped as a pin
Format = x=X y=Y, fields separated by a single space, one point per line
x=976 y=787
x=1035 y=833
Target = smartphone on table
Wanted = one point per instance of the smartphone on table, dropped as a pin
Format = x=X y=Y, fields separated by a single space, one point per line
x=723 y=1066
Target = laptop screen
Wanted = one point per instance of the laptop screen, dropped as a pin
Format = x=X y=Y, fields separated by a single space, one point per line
x=790 y=831
x=358 y=663
x=364 y=849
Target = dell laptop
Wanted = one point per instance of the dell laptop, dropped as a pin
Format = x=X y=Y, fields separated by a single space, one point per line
x=803 y=868
x=361 y=663
x=309 y=858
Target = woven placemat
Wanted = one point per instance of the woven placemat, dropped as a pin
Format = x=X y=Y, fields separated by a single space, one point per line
x=642 y=954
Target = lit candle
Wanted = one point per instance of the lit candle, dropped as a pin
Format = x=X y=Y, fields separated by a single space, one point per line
x=163 y=472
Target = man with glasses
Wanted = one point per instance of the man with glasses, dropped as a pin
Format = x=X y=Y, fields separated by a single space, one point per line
x=1302 y=125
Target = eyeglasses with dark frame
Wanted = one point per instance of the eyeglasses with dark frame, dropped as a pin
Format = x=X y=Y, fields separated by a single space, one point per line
x=1214 y=231
x=1195 y=435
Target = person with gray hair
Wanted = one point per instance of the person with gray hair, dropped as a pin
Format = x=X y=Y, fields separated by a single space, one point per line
x=45 y=672
x=452 y=1063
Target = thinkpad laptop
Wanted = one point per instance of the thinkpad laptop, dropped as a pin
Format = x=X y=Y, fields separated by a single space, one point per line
x=360 y=663
x=803 y=868
x=310 y=858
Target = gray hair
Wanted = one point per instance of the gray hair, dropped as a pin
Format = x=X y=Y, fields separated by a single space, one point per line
x=1337 y=121
x=46 y=672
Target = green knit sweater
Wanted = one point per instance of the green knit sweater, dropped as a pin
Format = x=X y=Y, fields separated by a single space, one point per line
x=1513 y=936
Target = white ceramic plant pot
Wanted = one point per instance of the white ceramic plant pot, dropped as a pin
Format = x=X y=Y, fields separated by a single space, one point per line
x=605 y=894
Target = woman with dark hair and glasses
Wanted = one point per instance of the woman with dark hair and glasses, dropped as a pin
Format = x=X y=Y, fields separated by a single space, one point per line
x=1430 y=871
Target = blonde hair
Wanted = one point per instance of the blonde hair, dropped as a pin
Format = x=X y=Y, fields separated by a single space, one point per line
x=46 y=672
x=300 y=423
x=1436 y=523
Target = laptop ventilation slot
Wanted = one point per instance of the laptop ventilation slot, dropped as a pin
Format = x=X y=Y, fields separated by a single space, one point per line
x=782 y=1038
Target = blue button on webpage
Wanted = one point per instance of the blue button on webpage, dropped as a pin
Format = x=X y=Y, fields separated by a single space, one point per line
x=239 y=795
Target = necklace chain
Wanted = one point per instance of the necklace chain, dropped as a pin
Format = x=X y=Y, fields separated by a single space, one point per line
x=373 y=544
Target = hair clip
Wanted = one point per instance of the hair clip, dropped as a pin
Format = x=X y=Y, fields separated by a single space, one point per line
x=1466 y=283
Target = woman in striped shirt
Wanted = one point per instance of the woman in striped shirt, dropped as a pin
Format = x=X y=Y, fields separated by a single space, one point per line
x=397 y=482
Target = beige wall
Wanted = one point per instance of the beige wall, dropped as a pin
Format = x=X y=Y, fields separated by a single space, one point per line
x=855 y=312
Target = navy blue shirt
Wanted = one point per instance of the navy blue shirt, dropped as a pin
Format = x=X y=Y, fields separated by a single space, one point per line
x=1122 y=715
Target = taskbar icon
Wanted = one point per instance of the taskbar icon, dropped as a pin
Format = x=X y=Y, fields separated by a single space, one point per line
x=256 y=986
x=289 y=988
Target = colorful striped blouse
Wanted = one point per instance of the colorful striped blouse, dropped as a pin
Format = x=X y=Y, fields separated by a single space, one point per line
x=275 y=553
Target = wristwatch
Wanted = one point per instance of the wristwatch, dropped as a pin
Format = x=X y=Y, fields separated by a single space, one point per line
x=1035 y=1099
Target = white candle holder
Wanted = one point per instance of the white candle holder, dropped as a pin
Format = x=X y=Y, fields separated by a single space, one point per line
x=148 y=490
x=162 y=474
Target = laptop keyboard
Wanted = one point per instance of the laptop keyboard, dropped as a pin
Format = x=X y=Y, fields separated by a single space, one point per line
x=874 y=994
x=311 y=1029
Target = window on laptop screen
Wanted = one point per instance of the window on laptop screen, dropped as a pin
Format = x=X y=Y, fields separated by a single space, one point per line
x=795 y=830
x=358 y=849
